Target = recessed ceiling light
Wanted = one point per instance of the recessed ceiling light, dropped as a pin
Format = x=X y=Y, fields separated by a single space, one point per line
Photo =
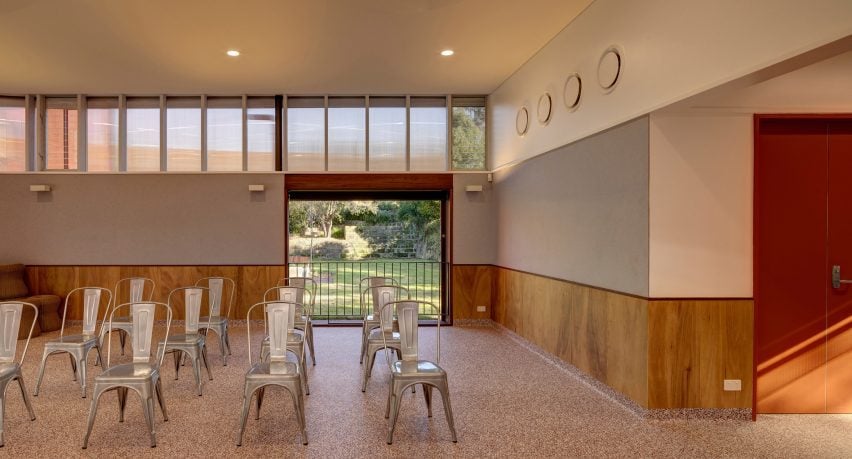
x=447 y=52
x=233 y=53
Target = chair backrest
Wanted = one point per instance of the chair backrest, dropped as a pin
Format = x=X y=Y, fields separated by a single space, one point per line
x=142 y=329
x=382 y=295
x=288 y=294
x=137 y=289
x=10 y=322
x=365 y=285
x=407 y=313
x=220 y=288
x=278 y=319
x=307 y=283
x=92 y=299
x=191 y=298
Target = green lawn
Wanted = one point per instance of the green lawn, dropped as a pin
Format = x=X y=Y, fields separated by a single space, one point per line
x=338 y=296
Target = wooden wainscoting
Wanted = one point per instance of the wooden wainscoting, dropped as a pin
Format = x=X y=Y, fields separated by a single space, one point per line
x=251 y=281
x=695 y=345
x=661 y=353
x=472 y=287
x=603 y=333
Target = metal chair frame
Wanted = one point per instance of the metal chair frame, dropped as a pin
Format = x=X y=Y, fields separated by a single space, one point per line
x=215 y=320
x=78 y=346
x=410 y=370
x=138 y=287
x=277 y=371
x=140 y=376
x=295 y=341
x=10 y=369
x=193 y=343
x=370 y=321
x=386 y=337
x=305 y=322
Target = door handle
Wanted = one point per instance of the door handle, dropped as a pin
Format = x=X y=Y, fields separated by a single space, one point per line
x=835 y=277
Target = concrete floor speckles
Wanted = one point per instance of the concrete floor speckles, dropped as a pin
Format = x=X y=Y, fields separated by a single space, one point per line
x=508 y=402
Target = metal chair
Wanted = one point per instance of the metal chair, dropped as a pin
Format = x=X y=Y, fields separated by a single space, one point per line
x=371 y=320
x=142 y=376
x=191 y=344
x=138 y=289
x=386 y=337
x=277 y=371
x=295 y=341
x=78 y=346
x=10 y=370
x=410 y=370
x=303 y=319
x=215 y=320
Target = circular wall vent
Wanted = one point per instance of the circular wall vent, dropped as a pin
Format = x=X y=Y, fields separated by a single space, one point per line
x=545 y=104
x=572 y=91
x=609 y=68
x=522 y=121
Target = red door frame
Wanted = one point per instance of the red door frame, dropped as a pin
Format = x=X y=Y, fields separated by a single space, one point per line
x=755 y=225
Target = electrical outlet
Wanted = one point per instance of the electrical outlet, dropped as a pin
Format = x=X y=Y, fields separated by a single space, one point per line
x=733 y=385
x=480 y=309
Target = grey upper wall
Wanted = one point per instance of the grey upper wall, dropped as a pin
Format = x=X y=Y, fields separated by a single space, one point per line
x=474 y=229
x=580 y=212
x=164 y=219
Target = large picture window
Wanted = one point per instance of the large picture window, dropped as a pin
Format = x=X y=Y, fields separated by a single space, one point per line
x=60 y=128
x=260 y=131
x=13 y=135
x=306 y=134
x=387 y=134
x=102 y=134
x=468 y=133
x=428 y=125
x=224 y=134
x=347 y=136
x=183 y=135
x=143 y=134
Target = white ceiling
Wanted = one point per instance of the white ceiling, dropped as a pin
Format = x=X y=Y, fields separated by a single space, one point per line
x=288 y=46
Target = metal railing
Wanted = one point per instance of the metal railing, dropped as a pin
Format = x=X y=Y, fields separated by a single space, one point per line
x=338 y=297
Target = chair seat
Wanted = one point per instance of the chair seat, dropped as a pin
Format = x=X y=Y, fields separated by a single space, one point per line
x=273 y=370
x=190 y=339
x=72 y=339
x=206 y=321
x=8 y=370
x=376 y=335
x=412 y=368
x=127 y=371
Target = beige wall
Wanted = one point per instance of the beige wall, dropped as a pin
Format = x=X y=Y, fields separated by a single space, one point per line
x=474 y=225
x=701 y=176
x=580 y=212
x=672 y=50
x=168 y=219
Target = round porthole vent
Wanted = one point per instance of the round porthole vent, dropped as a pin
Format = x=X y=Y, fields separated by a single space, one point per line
x=610 y=68
x=522 y=121
x=545 y=105
x=572 y=91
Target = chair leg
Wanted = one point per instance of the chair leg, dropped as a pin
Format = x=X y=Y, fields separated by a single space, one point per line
x=196 y=370
x=81 y=364
x=390 y=400
x=177 y=355
x=244 y=415
x=206 y=363
x=427 y=395
x=368 y=367
x=122 y=402
x=363 y=341
x=2 y=416
x=122 y=336
x=260 y=393
x=93 y=409
x=304 y=372
x=73 y=365
x=222 y=350
x=148 y=412
x=26 y=397
x=158 y=389
x=41 y=371
x=299 y=406
x=397 y=394
x=100 y=359
x=309 y=334
x=448 y=410
x=227 y=340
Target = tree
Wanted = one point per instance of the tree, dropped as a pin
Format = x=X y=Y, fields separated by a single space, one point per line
x=469 y=137
x=324 y=214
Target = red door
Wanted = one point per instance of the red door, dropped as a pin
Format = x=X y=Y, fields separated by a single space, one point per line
x=803 y=228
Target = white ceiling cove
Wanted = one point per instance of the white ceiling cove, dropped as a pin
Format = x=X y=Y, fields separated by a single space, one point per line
x=287 y=46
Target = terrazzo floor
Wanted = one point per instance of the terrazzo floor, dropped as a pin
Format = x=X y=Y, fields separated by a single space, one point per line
x=508 y=402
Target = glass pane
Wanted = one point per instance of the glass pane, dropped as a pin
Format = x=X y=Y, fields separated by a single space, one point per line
x=61 y=144
x=469 y=138
x=428 y=138
x=224 y=139
x=305 y=139
x=12 y=135
x=102 y=139
x=387 y=138
x=347 y=144
x=183 y=139
x=261 y=139
x=143 y=139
